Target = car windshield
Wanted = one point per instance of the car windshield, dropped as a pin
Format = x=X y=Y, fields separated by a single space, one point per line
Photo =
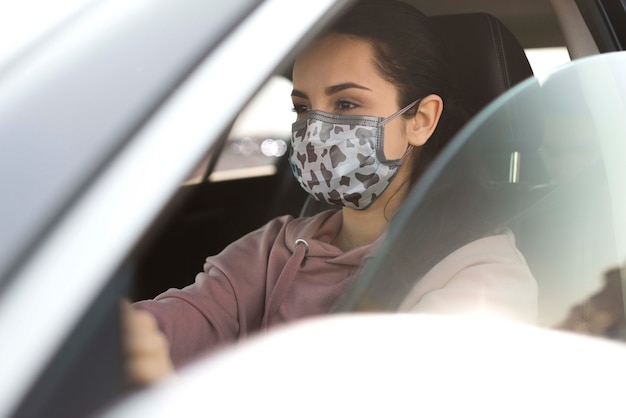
x=544 y=161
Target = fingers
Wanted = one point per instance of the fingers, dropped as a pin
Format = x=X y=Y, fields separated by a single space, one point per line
x=146 y=348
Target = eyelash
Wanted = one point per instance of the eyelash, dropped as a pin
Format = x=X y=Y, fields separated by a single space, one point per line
x=340 y=106
x=345 y=105
x=300 y=109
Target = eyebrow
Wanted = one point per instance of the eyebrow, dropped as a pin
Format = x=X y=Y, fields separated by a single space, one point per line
x=344 y=86
x=332 y=89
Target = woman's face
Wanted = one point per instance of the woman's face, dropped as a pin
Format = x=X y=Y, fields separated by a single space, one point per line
x=338 y=75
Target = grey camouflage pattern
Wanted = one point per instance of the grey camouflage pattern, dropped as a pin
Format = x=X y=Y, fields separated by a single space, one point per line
x=339 y=159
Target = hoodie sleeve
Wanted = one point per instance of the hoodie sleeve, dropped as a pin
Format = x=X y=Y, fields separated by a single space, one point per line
x=488 y=276
x=225 y=302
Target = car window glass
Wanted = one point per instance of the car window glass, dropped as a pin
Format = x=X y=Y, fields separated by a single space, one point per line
x=258 y=138
x=564 y=138
x=545 y=60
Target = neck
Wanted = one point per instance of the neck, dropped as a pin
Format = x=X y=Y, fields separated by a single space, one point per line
x=362 y=227
x=359 y=228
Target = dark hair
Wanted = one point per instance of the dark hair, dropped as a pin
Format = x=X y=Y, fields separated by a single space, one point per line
x=410 y=54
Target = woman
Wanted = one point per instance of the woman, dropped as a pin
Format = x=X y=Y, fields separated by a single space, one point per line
x=382 y=60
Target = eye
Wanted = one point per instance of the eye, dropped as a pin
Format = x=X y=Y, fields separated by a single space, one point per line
x=344 y=105
x=300 y=109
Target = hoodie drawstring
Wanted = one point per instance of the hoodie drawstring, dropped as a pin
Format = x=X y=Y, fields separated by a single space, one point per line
x=285 y=280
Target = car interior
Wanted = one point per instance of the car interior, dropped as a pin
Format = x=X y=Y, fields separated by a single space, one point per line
x=487 y=42
x=491 y=58
x=206 y=216
x=484 y=50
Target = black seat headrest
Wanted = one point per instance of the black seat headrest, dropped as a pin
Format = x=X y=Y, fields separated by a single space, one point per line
x=485 y=54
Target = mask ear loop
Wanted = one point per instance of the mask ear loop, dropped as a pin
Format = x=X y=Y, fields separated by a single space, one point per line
x=395 y=115
x=398 y=113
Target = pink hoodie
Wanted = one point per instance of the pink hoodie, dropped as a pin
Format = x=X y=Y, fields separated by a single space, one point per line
x=241 y=289
x=288 y=270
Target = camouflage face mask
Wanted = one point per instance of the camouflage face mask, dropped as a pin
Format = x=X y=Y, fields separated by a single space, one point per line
x=339 y=159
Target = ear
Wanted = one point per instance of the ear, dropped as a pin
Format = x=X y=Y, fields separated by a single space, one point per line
x=423 y=124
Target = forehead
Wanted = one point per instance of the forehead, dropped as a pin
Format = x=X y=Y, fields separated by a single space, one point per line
x=335 y=58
